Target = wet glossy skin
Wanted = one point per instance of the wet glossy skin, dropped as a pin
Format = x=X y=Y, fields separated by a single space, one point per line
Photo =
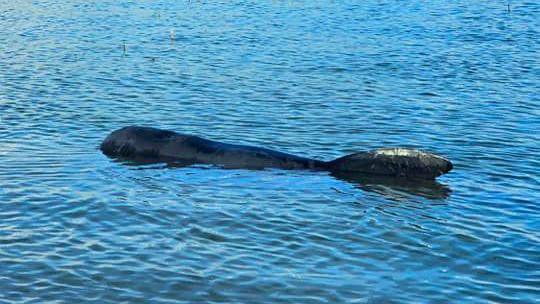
x=163 y=145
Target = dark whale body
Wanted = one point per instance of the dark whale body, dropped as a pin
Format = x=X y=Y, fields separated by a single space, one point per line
x=167 y=146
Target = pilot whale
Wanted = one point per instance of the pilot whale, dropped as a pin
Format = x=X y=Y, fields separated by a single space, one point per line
x=135 y=142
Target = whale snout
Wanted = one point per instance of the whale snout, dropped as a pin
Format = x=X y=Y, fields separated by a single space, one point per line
x=116 y=142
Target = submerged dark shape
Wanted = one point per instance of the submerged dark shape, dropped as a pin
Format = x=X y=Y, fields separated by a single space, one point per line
x=167 y=146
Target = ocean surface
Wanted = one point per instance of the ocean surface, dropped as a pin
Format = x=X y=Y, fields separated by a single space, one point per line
x=315 y=78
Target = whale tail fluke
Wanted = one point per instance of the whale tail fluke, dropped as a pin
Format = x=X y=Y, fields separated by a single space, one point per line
x=399 y=162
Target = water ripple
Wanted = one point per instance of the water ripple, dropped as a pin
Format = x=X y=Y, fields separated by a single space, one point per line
x=319 y=79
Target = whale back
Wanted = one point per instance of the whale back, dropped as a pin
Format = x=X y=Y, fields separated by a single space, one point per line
x=146 y=143
x=162 y=145
x=398 y=162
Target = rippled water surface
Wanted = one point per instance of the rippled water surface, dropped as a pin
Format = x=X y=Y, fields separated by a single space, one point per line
x=319 y=79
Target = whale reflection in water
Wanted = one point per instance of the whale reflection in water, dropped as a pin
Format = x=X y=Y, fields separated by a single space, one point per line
x=396 y=187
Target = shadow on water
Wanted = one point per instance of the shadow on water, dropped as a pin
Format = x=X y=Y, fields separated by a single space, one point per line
x=396 y=187
x=388 y=186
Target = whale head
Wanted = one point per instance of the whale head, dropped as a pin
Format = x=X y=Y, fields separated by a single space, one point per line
x=134 y=141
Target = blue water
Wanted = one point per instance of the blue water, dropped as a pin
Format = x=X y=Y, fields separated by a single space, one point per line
x=316 y=78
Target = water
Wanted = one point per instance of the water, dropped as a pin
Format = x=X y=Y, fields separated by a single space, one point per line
x=319 y=79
